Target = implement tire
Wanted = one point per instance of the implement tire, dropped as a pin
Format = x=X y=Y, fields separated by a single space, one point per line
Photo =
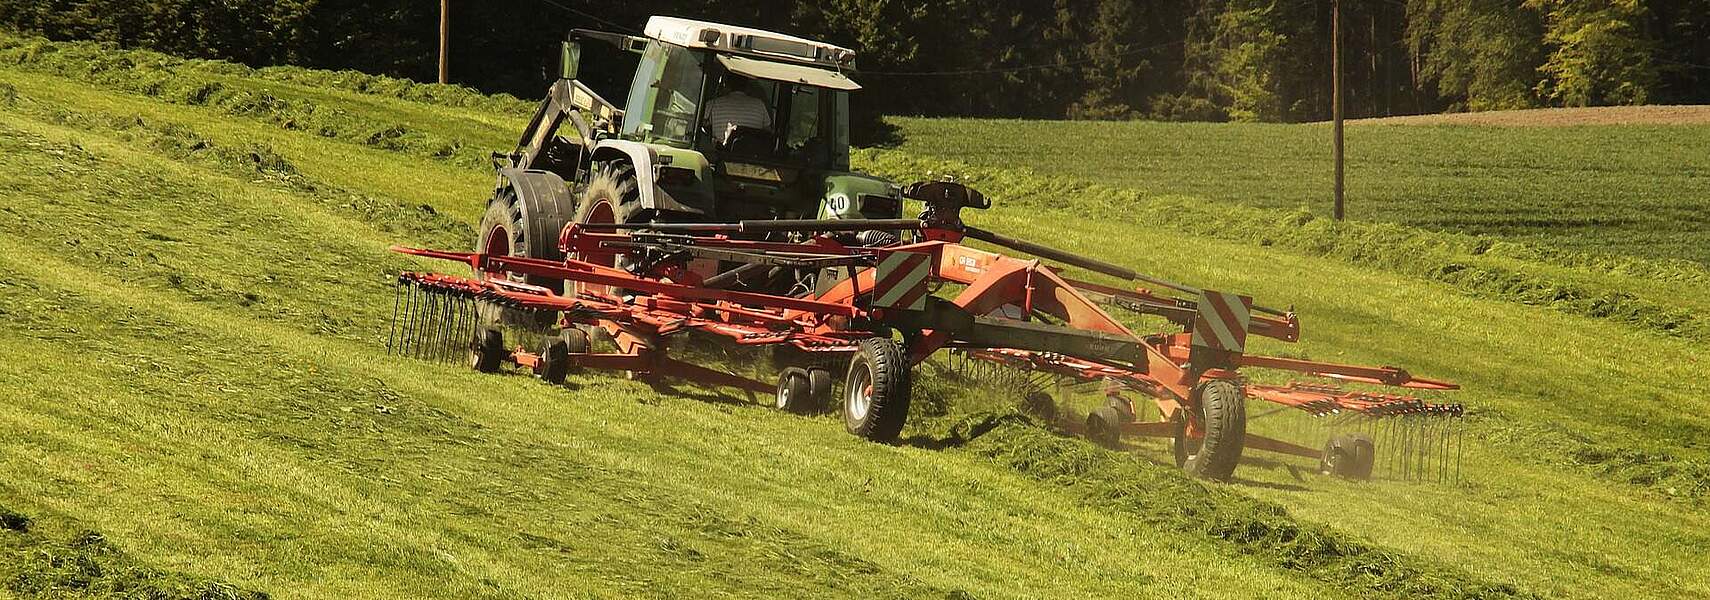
x=1104 y=427
x=487 y=350
x=795 y=392
x=1349 y=456
x=876 y=391
x=1222 y=413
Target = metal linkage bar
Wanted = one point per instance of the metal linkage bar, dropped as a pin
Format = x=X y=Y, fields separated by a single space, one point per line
x=1378 y=375
x=786 y=259
x=589 y=273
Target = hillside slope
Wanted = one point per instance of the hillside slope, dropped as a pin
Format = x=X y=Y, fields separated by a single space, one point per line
x=194 y=270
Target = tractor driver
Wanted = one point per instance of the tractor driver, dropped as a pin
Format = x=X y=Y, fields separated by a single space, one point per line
x=740 y=106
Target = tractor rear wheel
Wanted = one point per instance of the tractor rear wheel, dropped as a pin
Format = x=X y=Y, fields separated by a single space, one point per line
x=876 y=391
x=1222 y=413
x=513 y=227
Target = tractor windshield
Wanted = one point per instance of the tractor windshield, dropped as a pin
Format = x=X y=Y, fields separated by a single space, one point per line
x=668 y=91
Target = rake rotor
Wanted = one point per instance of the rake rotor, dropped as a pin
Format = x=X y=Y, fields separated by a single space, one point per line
x=1015 y=327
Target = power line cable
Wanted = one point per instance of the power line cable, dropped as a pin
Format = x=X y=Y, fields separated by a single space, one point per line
x=590 y=16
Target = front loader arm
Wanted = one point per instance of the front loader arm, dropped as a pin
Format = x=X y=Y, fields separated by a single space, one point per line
x=567 y=100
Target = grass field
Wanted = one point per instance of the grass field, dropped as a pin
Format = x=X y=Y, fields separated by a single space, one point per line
x=194 y=272
x=1621 y=190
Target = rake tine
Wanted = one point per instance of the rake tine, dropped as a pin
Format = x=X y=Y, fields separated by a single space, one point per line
x=400 y=312
x=1437 y=450
x=423 y=301
x=468 y=333
x=408 y=336
x=1436 y=442
x=1410 y=431
x=1393 y=425
x=437 y=321
x=440 y=317
x=1443 y=459
x=433 y=320
x=392 y=333
x=1400 y=460
x=457 y=319
x=1427 y=442
x=1398 y=431
x=1460 y=446
x=1423 y=447
x=1443 y=449
x=453 y=324
x=428 y=320
x=448 y=327
x=1415 y=436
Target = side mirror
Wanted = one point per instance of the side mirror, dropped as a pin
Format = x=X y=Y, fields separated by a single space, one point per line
x=569 y=59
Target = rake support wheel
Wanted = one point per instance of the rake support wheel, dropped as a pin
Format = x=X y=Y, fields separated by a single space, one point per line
x=819 y=387
x=1040 y=405
x=487 y=350
x=576 y=340
x=554 y=362
x=1221 y=410
x=1104 y=427
x=795 y=392
x=876 y=391
x=1350 y=456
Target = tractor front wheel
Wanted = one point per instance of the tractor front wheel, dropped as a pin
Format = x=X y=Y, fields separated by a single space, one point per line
x=610 y=197
x=1221 y=410
x=876 y=392
x=515 y=226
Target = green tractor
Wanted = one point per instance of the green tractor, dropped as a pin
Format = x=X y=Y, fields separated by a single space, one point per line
x=721 y=123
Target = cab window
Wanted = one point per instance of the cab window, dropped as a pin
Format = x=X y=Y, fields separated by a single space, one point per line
x=667 y=91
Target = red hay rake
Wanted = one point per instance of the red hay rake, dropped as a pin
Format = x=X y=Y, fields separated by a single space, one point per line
x=856 y=328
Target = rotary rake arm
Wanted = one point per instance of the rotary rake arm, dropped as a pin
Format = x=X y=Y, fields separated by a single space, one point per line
x=1019 y=314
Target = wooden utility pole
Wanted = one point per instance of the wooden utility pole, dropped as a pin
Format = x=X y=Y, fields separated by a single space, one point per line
x=1336 y=94
x=444 y=40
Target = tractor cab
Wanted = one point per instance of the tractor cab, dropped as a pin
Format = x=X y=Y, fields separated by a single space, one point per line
x=742 y=123
x=741 y=92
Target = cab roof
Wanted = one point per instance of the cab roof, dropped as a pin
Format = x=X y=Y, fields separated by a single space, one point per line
x=766 y=45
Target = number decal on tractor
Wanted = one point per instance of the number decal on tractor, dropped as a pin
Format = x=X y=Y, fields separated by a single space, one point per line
x=837 y=203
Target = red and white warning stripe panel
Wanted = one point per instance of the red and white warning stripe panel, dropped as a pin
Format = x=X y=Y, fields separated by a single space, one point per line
x=901 y=280
x=1222 y=321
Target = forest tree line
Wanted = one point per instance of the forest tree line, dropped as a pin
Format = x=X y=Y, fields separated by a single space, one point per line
x=1261 y=60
